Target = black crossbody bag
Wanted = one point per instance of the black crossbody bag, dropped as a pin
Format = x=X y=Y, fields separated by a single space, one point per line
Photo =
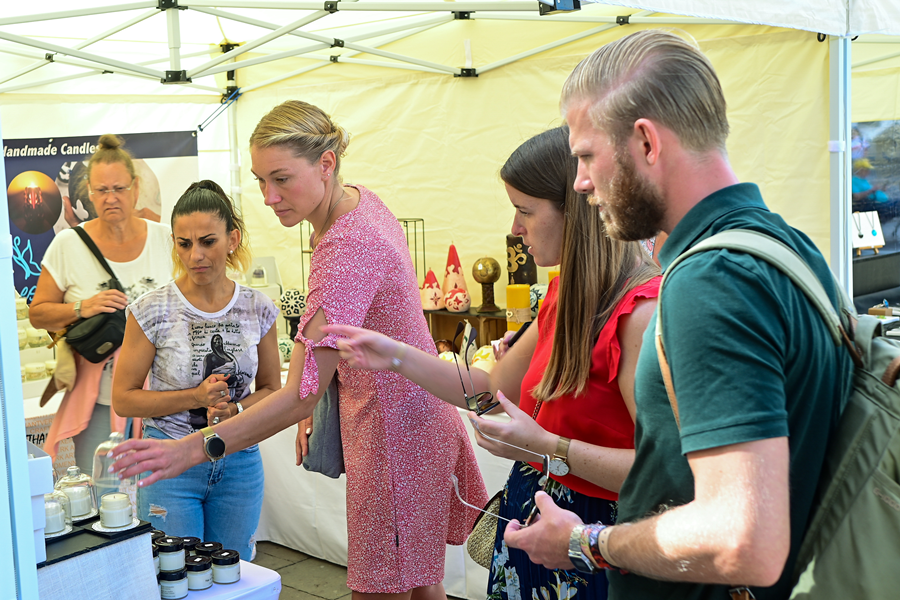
x=97 y=337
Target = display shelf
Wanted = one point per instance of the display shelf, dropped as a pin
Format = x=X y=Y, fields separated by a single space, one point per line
x=490 y=325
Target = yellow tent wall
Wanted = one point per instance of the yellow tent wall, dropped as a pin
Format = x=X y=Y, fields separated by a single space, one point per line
x=431 y=145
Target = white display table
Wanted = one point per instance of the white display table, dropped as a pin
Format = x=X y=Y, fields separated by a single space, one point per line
x=308 y=511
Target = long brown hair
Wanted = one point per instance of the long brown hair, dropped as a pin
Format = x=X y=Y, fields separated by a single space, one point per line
x=596 y=272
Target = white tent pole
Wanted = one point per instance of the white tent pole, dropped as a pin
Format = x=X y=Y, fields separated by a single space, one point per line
x=349 y=54
x=330 y=41
x=200 y=71
x=577 y=17
x=545 y=47
x=263 y=59
x=869 y=61
x=370 y=6
x=85 y=44
x=24 y=86
x=839 y=134
x=81 y=12
x=374 y=63
x=173 y=31
x=25 y=41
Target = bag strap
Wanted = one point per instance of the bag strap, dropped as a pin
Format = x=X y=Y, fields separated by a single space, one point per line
x=94 y=249
x=780 y=256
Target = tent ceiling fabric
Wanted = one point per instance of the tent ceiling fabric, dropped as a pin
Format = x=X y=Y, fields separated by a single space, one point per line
x=99 y=46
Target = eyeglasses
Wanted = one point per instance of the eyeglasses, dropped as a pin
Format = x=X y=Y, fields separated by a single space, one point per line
x=481 y=402
x=117 y=191
x=544 y=481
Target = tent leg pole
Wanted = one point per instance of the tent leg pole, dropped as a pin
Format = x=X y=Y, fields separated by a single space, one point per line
x=234 y=151
x=839 y=134
x=174 y=31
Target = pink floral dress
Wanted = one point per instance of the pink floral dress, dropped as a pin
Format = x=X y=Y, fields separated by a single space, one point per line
x=401 y=444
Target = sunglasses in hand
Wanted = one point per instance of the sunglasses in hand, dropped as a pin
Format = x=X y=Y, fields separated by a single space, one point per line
x=481 y=402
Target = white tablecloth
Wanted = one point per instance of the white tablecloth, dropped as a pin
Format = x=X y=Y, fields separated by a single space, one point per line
x=308 y=511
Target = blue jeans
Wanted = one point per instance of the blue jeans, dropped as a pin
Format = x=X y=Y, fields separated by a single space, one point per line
x=216 y=502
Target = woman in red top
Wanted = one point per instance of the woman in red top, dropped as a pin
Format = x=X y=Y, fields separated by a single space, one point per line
x=567 y=384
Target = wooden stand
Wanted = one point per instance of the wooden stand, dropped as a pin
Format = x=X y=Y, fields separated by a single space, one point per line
x=875 y=248
x=490 y=325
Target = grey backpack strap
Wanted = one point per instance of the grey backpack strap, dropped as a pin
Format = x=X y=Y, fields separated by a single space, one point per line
x=779 y=256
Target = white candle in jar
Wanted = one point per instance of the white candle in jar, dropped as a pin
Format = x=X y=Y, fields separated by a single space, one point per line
x=79 y=500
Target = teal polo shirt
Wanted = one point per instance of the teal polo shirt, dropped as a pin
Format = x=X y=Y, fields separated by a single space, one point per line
x=751 y=359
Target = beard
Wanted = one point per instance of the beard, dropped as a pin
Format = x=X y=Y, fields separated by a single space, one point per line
x=634 y=209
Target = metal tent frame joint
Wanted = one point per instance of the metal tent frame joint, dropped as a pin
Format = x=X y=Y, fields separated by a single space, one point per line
x=169 y=4
x=49 y=57
x=331 y=6
x=462 y=15
x=466 y=72
x=176 y=77
x=336 y=43
x=623 y=19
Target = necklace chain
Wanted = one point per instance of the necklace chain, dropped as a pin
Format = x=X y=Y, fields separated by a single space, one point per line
x=328 y=216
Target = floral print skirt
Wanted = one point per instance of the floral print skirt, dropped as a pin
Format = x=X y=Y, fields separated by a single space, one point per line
x=513 y=576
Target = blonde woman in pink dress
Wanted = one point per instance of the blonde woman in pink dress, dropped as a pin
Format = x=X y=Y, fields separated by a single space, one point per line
x=401 y=444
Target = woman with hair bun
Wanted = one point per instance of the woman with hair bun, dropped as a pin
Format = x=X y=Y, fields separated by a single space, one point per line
x=74 y=285
x=401 y=444
x=203 y=338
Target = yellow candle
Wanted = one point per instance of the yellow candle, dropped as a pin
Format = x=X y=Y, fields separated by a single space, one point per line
x=518 y=306
x=551 y=274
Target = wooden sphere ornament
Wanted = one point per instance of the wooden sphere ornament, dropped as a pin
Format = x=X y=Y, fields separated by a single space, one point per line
x=486 y=271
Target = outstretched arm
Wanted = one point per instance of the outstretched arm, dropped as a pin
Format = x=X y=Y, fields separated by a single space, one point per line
x=277 y=411
x=736 y=531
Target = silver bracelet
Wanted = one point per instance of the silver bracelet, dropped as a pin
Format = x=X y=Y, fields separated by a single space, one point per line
x=397 y=360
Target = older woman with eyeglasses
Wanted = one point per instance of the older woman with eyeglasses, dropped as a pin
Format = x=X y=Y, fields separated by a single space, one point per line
x=74 y=285
x=567 y=382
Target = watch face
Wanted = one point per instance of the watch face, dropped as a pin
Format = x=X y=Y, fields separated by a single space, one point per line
x=215 y=447
x=559 y=468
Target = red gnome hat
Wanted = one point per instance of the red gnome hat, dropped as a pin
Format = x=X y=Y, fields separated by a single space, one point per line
x=432 y=298
x=453 y=276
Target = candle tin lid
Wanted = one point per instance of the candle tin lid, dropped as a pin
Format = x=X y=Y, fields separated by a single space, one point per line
x=207 y=548
x=172 y=575
x=156 y=534
x=226 y=557
x=197 y=563
x=170 y=544
x=155 y=549
x=190 y=543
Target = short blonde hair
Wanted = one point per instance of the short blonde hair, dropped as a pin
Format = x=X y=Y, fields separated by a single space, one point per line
x=306 y=129
x=656 y=75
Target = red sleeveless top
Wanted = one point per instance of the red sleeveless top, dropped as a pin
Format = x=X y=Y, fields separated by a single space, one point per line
x=598 y=416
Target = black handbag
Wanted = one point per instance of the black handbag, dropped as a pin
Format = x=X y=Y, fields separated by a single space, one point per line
x=97 y=337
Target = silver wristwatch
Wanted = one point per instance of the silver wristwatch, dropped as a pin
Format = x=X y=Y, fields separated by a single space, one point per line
x=582 y=563
x=240 y=406
x=77 y=309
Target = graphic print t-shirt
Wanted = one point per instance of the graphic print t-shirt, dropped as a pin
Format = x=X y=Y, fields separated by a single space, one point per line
x=191 y=345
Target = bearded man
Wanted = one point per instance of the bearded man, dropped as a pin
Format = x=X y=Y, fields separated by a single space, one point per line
x=723 y=501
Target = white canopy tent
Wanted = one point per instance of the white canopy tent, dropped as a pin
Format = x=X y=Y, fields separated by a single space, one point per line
x=108 y=64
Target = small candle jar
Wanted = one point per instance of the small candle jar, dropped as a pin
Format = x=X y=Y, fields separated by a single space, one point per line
x=155 y=534
x=21 y=308
x=23 y=339
x=189 y=544
x=155 y=557
x=22 y=368
x=34 y=336
x=199 y=572
x=226 y=566
x=115 y=510
x=171 y=553
x=50 y=365
x=173 y=584
x=207 y=548
x=56 y=512
x=80 y=501
x=35 y=371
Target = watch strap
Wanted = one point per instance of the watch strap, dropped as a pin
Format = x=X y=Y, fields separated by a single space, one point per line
x=562 y=449
x=208 y=433
x=77 y=309
x=240 y=406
